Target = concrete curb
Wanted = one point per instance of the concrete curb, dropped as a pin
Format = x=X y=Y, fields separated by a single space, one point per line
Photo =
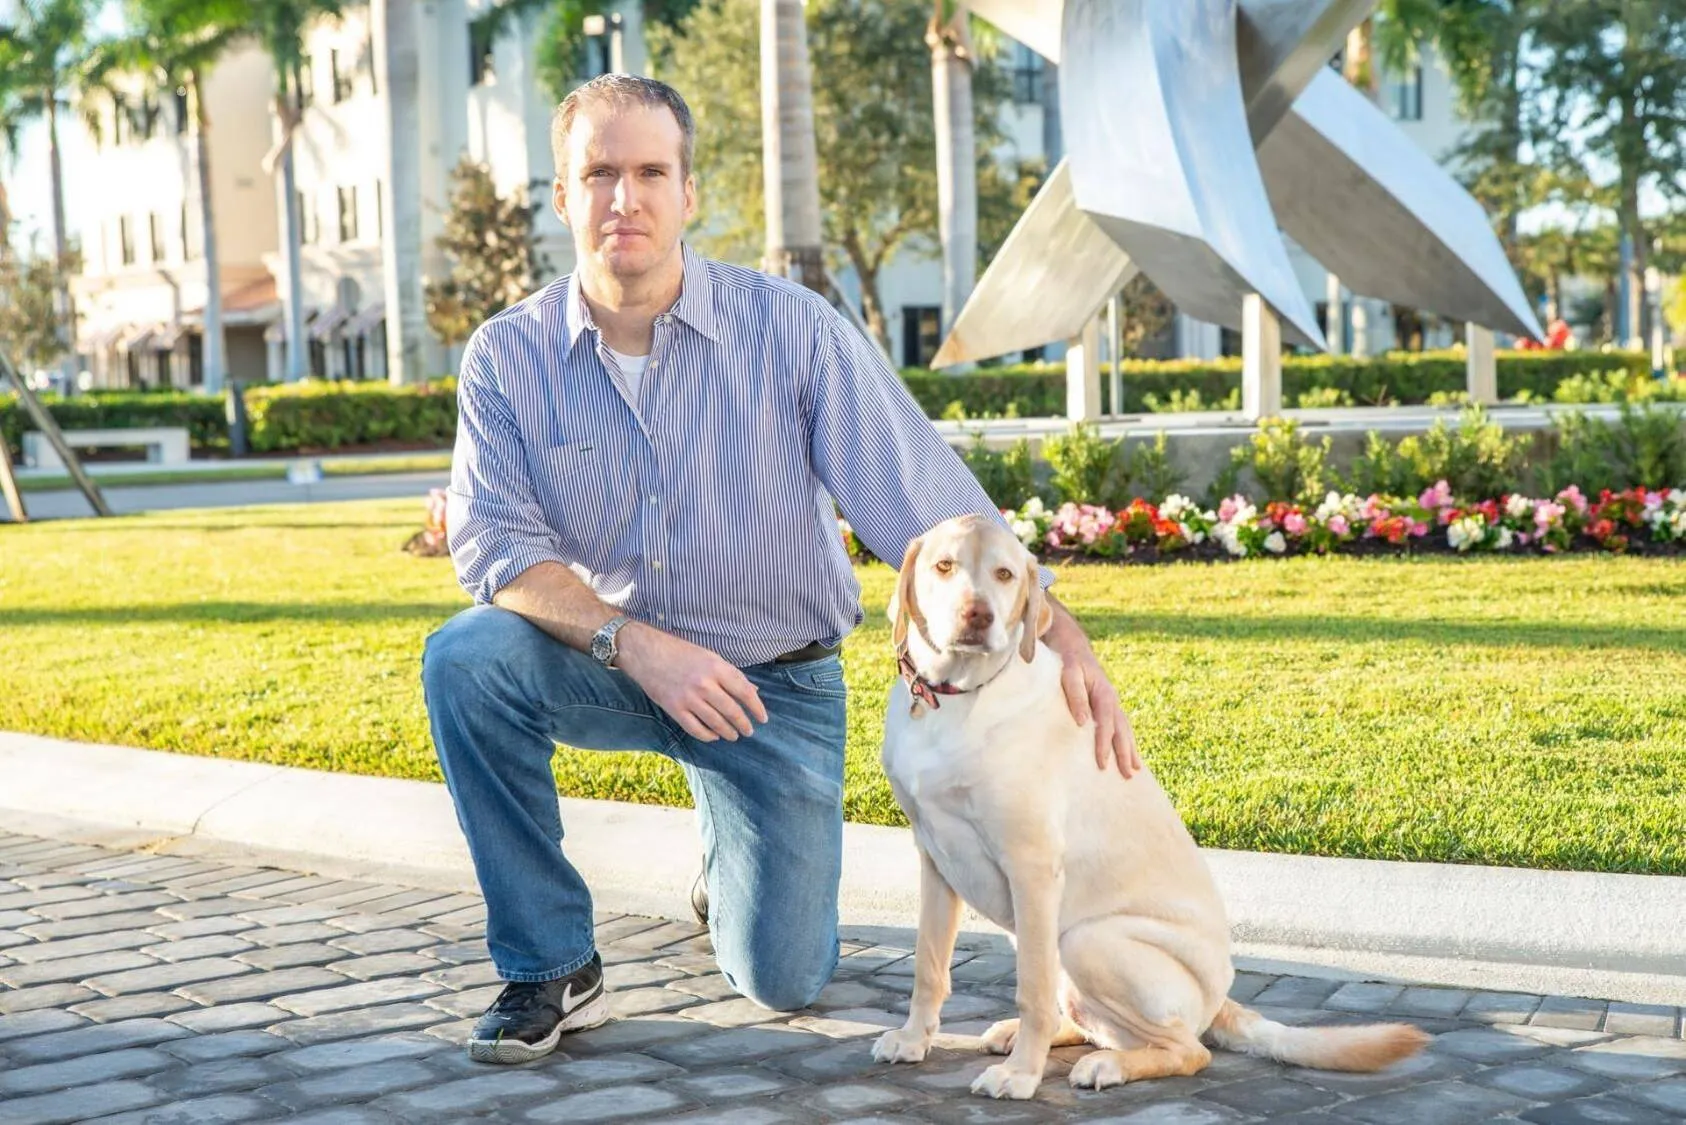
x=1613 y=936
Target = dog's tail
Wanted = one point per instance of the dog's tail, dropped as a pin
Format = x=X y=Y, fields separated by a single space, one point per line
x=1370 y=1047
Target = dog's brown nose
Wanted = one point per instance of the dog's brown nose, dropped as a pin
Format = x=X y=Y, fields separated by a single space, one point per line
x=977 y=615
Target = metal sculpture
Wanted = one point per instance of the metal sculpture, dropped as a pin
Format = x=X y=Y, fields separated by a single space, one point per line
x=1194 y=129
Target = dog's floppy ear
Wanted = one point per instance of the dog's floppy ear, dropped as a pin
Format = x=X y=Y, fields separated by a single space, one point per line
x=903 y=605
x=1038 y=614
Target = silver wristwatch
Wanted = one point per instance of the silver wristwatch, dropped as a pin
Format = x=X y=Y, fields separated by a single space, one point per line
x=604 y=647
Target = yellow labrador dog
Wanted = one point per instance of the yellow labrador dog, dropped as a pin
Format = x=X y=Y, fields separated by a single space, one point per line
x=1122 y=940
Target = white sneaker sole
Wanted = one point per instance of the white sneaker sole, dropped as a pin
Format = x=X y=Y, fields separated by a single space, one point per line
x=508 y=1052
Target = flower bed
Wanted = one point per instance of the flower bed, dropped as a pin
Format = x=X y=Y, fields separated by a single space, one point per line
x=1636 y=520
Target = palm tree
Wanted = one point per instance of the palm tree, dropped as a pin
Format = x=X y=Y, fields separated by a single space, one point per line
x=950 y=40
x=173 y=44
x=790 y=158
x=280 y=26
x=42 y=47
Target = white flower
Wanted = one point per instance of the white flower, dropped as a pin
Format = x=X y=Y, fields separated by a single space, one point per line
x=1334 y=504
x=1275 y=543
x=1677 y=497
x=1465 y=533
x=1190 y=534
x=1026 y=531
x=1506 y=538
x=1518 y=507
x=1033 y=508
x=1226 y=534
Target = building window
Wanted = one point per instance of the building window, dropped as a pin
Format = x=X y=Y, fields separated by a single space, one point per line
x=307 y=83
x=340 y=77
x=183 y=114
x=126 y=239
x=155 y=233
x=309 y=225
x=191 y=235
x=348 y=214
x=1406 y=94
x=479 y=54
x=1027 y=76
x=119 y=120
x=921 y=334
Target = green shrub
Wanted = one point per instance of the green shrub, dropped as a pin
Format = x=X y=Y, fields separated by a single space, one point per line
x=1477 y=458
x=1180 y=401
x=1007 y=475
x=314 y=415
x=1322 y=398
x=1284 y=464
x=1149 y=471
x=1087 y=467
x=1159 y=385
x=1645 y=447
x=202 y=416
x=1378 y=469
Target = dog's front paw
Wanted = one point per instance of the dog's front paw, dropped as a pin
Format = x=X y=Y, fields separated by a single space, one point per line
x=1097 y=1070
x=999 y=1039
x=1002 y=1081
x=903 y=1045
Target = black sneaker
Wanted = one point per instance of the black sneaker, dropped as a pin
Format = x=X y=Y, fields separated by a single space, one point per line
x=527 y=1018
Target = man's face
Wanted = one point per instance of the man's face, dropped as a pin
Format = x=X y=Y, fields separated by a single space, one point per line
x=623 y=192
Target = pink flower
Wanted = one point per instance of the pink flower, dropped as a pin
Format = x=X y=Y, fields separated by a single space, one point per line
x=1293 y=523
x=1547 y=514
x=1338 y=524
x=1227 y=509
x=1571 y=497
x=1419 y=529
x=1439 y=496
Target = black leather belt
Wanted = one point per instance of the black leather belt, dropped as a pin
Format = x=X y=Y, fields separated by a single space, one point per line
x=814 y=651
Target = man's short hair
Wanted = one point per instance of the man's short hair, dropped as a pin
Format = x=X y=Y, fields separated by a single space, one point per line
x=621 y=90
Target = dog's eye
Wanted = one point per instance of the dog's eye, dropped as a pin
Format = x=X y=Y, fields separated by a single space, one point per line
x=943 y=566
x=1004 y=574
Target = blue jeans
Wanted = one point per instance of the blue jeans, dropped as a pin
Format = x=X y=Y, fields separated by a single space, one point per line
x=501 y=693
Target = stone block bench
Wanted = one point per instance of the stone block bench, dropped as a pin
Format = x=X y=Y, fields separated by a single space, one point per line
x=165 y=445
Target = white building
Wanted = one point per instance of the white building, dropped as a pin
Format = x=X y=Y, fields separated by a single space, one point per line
x=141 y=294
x=370 y=208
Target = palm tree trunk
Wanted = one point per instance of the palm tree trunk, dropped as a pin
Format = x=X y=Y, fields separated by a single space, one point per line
x=957 y=159
x=790 y=159
x=214 y=361
x=66 y=309
x=288 y=109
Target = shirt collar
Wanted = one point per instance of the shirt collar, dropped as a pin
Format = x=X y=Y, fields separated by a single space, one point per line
x=695 y=306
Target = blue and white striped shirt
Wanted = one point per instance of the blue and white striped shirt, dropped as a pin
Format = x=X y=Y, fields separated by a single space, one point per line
x=703 y=506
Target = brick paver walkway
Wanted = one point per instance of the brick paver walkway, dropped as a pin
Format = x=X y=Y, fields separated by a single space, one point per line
x=141 y=988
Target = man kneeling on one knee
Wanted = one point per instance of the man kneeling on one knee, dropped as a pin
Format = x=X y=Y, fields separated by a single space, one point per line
x=642 y=507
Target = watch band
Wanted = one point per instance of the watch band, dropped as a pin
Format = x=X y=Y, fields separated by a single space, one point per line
x=604 y=646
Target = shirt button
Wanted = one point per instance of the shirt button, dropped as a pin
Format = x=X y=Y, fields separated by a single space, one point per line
x=653 y=500
x=656 y=564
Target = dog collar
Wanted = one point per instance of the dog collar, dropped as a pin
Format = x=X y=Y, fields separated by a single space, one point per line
x=924 y=692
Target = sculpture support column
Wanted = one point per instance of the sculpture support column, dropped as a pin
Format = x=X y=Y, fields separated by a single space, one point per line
x=1083 y=374
x=1261 y=359
x=1483 y=367
x=1115 y=351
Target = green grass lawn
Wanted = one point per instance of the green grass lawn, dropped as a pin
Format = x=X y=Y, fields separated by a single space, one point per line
x=235 y=471
x=1510 y=711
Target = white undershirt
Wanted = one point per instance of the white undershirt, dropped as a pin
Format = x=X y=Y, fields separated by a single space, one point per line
x=632 y=370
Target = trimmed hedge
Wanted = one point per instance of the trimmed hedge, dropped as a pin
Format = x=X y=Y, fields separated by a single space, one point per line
x=313 y=416
x=1407 y=377
x=207 y=427
x=316 y=416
